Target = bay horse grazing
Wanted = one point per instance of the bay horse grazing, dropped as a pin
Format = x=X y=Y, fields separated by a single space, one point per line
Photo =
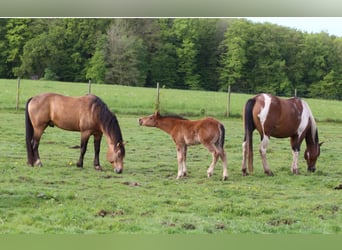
x=87 y=114
x=184 y=133
x=280 y=118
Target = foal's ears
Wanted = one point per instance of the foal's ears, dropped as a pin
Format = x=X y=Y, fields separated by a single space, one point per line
x=157 y=113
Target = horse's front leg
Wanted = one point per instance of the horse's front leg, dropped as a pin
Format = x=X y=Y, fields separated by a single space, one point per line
x=181 y=158
x=84 y=143
x=97 y=145
x=295 y=152
x=263 y=148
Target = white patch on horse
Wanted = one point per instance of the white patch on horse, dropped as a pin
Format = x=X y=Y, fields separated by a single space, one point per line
x=306 y=115
x=264 y=111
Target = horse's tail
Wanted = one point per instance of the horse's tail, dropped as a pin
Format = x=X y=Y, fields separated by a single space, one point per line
x=222 y=135
x=249 y=128
x=29 y=135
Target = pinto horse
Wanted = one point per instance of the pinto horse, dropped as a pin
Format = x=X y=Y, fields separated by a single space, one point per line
x=279 y=118
x=87 y=114
x=184 y=133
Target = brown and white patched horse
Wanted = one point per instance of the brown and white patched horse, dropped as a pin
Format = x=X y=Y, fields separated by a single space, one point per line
x=279 y=118
x=207 y=131
x=87 y=114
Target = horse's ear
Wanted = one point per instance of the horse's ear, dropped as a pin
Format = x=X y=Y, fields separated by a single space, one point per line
x=123 y=143
x=157 y=113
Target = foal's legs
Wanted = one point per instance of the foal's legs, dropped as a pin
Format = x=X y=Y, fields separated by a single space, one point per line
x=216 y=153
x=181 y=158
x=84 y=142
x=97 y=144
x=263 y=148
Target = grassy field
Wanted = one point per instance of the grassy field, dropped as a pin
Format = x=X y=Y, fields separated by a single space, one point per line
x=59 y=198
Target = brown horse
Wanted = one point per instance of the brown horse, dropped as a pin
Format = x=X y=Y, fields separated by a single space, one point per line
x=87 y=114
x=184 y=133
x=280 y=118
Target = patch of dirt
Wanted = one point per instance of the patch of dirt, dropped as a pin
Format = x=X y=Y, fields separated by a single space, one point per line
x=278 y=222
x=189 y=226
x=131 y=184
x=103 y=213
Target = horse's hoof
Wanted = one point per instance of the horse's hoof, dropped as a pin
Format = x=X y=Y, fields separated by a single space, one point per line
x=225 y=178
x=295 y=171
x=38 y=163
x=98 y=168
x=269 y=173
x=244 y=173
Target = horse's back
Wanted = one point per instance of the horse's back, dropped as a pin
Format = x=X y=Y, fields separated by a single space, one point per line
x=277 y=117
x=65 y=112
x=205 y=130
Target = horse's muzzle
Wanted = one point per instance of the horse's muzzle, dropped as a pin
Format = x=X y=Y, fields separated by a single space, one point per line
x=140 y=121
x=312 y=169
x=118 y=170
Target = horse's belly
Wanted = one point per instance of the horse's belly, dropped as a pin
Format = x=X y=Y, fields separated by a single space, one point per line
x=282 y=133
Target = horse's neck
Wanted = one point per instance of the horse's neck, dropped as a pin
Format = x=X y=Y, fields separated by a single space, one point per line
x=167 y=124
x=311 y=137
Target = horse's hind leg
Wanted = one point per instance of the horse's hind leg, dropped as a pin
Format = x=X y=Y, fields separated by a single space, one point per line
x=223 y=157
x=263 y=148
x=215 y=155
x=35 y=145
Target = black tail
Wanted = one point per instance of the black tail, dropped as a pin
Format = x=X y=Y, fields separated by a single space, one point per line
x=222 y=135
x=249 y=128
x=29 y=135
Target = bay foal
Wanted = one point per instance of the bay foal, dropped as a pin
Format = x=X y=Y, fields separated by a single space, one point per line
x=184 y=132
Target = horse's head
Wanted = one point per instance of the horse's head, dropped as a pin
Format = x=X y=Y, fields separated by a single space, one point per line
x=149 y=121
x=311 y=155
x=115 y=155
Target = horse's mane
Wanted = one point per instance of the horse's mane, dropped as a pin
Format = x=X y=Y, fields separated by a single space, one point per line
x=173 y=116
x=109 y=122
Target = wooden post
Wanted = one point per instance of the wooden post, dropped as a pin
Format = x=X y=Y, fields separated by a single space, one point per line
x=89 y=87
x=157 y=100
x=295 y=92
x=228 y=102
x=18 y=92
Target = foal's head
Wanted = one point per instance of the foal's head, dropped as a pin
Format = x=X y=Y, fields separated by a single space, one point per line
x=149 y=121
x=115 y=155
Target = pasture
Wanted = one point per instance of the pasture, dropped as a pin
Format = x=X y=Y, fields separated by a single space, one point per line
x=59 y=198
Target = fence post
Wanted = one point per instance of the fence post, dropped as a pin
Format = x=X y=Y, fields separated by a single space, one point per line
x=228 y=102
x=89 y=87
x=295 y=92
x=157 y=100
x=18 y=92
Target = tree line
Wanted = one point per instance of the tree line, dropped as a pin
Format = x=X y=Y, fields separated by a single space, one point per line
x=185 y=53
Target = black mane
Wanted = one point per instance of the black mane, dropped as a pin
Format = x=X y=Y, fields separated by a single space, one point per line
x=109 y=122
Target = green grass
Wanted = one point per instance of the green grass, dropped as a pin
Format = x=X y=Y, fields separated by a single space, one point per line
x=59 y=198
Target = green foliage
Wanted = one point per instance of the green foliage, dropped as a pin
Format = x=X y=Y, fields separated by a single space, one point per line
x=183 y=53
